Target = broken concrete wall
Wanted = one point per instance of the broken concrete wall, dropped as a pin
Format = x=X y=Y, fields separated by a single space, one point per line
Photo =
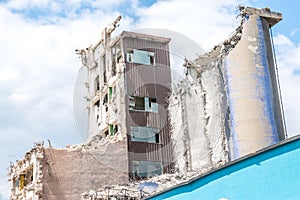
x=198 y=114
x=69 y=172
x=228 y=105
x=25 y=176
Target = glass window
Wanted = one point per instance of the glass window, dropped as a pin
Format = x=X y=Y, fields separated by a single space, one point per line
x=144 y=168
x=144 y=134
x=110 y=91
x=143 y=103
x=151 y=105
x=113 y=129
x=140 y=57
x=139 y=103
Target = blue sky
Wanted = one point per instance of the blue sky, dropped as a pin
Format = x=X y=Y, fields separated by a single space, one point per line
x=39 y=67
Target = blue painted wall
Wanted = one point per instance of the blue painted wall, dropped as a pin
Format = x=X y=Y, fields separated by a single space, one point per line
x=272 y=174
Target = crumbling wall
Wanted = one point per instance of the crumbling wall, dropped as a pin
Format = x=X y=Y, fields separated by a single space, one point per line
x=25 y=176
x=69 y=172
x=228 y=102
x=198 y=112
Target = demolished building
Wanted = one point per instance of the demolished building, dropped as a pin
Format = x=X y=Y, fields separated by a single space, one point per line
x=229 y=103
x=128 y=85
x=227 y=106
x=65 y=173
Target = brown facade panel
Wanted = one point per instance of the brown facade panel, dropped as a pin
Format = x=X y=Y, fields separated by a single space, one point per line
x=146 y=151
x=153 y=81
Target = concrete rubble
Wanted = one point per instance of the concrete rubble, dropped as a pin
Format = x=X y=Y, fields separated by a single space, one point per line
x=131 y=189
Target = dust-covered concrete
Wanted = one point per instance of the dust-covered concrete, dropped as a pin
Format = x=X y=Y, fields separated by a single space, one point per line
x=68 y=172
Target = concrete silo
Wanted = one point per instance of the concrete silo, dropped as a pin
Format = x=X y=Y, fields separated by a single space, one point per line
x=254 y=102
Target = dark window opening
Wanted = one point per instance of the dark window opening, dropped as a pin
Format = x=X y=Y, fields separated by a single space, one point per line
x=104 y=77
x=116 y=129
x=106 y=133
x=151 y=60
x=97 y=84
x=104 y=68
x=97 y=103
x=113 y=68
x=129 y=55
x=119 y=59
x=29 y=177
x=151 y=101
x=143 y=104
x=139 y=103
x=105 y=99
x=157 y=138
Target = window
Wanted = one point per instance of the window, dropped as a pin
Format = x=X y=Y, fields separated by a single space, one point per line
x=110 y=92
x=144 y=134
x=144 y=168
x=139 y=103
x=105 y=99
x=22 y=182
x=129 y=57
x=29 y=177
x=143 y=104
x=106 y=133
x=113 y=129
x=97 y=84
x=151 y=57
x=104 y=76
x=119 y=59
x=97 y=103
x=104 y=68
x=157 y=138
x=113 y=68
x=152 y=105
x=96 y=108
x=140 y=57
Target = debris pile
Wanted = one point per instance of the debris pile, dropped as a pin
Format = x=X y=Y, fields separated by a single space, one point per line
x=134 y=191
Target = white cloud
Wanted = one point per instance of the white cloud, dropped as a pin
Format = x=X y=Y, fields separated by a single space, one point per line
x=288 y=65
x=8 y=74
x=206 y=22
